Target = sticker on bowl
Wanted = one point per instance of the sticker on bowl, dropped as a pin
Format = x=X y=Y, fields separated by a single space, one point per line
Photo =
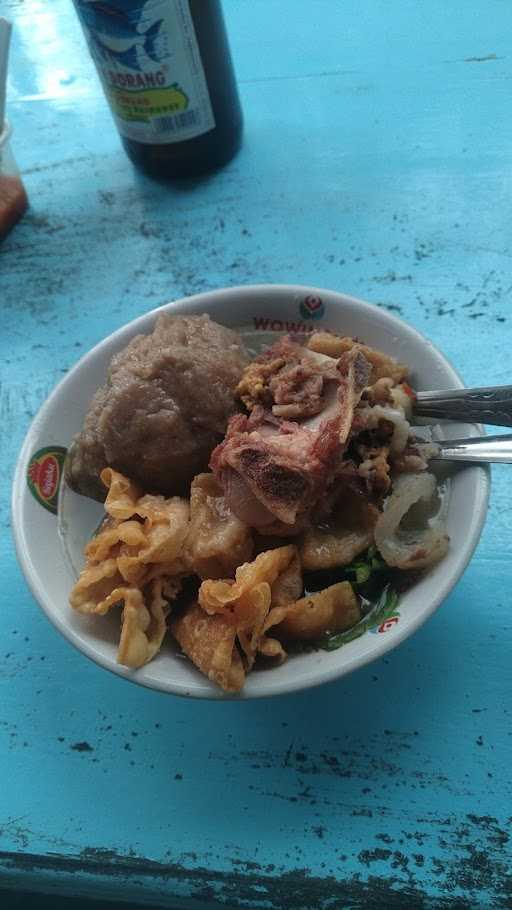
x=312 y=307
x=44 y=474
x=387 y=625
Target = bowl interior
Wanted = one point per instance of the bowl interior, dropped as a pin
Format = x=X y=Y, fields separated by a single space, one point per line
x=49 y=547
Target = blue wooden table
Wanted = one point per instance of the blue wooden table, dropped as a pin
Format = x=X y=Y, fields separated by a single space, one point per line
x=377 y=161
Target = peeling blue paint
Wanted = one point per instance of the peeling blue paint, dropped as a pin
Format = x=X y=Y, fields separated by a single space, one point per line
x=377 y=162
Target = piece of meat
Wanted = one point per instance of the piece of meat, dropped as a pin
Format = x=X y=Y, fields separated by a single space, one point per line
x=164 y=407
x=382 y=365
x=385 y=392
x=282 y=469
x=375 y=468
x=273 y=469
x=288 y=380
x=415 y=457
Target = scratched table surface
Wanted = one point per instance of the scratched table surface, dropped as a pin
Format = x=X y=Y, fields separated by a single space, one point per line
x=377 y=161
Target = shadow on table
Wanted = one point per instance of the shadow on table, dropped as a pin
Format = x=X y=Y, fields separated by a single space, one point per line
x=18 y=900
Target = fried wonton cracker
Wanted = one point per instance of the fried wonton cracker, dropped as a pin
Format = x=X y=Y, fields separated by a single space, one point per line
x=135 y=559
x=145 y=536
x=210 y=643
x=286 y=589
x=248 y=599
x=288 y=585
x=143 y=627
x=332 y=610
x=229 y=597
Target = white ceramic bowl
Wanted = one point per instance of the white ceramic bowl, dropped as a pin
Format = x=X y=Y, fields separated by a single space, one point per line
x=49 y=548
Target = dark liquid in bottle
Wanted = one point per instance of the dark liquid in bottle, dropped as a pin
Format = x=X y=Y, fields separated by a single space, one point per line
x=193 y=157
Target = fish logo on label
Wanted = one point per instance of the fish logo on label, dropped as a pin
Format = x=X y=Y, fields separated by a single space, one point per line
x=312 y=307
x=116 y=36
x=44 y=474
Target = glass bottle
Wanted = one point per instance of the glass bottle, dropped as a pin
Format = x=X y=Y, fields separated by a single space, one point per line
x=167 y=73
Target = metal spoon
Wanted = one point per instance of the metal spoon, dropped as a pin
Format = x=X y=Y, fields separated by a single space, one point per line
x=491 y=405
x=483 y=449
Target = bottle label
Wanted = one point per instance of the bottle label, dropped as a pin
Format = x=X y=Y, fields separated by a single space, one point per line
x=149 y=62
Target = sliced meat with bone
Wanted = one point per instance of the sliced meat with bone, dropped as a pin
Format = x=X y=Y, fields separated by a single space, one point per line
x=273 y=469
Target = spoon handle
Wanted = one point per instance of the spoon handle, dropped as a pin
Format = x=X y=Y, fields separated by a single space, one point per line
x=491 y=405
x=483 y=449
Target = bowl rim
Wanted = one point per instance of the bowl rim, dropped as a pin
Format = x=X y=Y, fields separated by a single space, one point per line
x=305 y=681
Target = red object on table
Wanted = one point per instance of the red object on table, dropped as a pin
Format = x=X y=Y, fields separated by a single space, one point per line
x=13 y=202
